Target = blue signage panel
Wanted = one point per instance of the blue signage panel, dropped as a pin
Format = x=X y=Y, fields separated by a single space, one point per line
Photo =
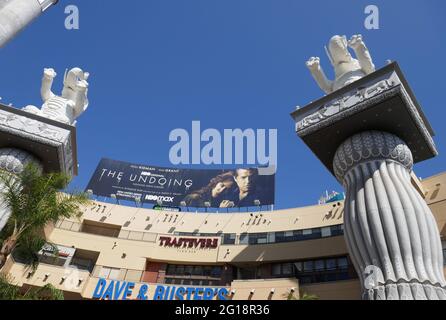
x=123 y=290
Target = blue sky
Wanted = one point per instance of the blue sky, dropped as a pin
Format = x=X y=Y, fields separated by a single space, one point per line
x=159 y=65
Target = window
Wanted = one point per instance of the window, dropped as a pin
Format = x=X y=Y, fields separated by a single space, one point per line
x=313 y=271
x=337 y=230
x=280 y=236
x=197 y=271
x=319 y=265
x=326 y=232
x=229 y=238
x=287 y=269
x=109 y=273
x=262 y=239
x=315 y=233
x=207 y=271
x=308 y=266
x=216 y=272
x=342 y=263
x=170 y=269
x=288 y=234
x=257 y=238
x=276 y=269
x=188 y=270
x=282 y=269
x=247 y=273
x=285 y=236
x=298 y=266
x=271 y=237
x=244 y=238
x=330 y=264
x=179 y=270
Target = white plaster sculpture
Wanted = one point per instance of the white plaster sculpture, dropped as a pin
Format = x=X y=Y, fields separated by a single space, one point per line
x=347 y=69
x=73 y=101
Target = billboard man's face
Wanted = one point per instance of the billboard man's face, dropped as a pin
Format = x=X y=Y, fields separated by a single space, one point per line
x=245 y=180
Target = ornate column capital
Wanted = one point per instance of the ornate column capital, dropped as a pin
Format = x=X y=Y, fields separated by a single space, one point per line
x=367 y=146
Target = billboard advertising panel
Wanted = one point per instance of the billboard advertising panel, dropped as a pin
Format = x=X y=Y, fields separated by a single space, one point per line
x=240 y=187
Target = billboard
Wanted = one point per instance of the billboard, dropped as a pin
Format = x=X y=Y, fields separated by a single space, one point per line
x=172 y=187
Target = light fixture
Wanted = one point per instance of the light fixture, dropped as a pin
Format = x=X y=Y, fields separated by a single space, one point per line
x=30 y=274
x=233 y=291
x=292 y=290
x=80 y=281
x=46 y=276
x=252 y=291
x=272 y=290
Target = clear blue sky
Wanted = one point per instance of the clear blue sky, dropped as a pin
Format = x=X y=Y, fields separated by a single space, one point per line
x=158 y=65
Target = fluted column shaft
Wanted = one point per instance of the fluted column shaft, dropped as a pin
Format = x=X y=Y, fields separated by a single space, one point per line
x=391 y=234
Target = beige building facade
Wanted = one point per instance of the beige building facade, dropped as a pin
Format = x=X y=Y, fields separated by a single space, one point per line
x=116 y=252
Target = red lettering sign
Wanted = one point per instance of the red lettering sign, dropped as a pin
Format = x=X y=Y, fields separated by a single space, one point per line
x=211 y=243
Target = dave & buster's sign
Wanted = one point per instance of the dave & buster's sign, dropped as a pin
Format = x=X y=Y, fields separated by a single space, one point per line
x=173 y=187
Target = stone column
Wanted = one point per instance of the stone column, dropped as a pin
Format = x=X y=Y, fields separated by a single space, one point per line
x=15 y=15
x=389 y=228
x=13 y=161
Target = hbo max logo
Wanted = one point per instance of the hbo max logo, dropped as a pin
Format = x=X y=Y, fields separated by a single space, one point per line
x=151 y=197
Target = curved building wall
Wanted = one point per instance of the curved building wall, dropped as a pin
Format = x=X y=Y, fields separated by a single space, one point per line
x=252 y=252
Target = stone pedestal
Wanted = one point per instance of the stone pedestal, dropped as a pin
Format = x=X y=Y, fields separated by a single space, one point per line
x=26 y=137
x=369 y=134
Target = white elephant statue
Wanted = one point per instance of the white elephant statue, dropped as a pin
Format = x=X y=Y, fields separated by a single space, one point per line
x=347 y=69
x=73 y=101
